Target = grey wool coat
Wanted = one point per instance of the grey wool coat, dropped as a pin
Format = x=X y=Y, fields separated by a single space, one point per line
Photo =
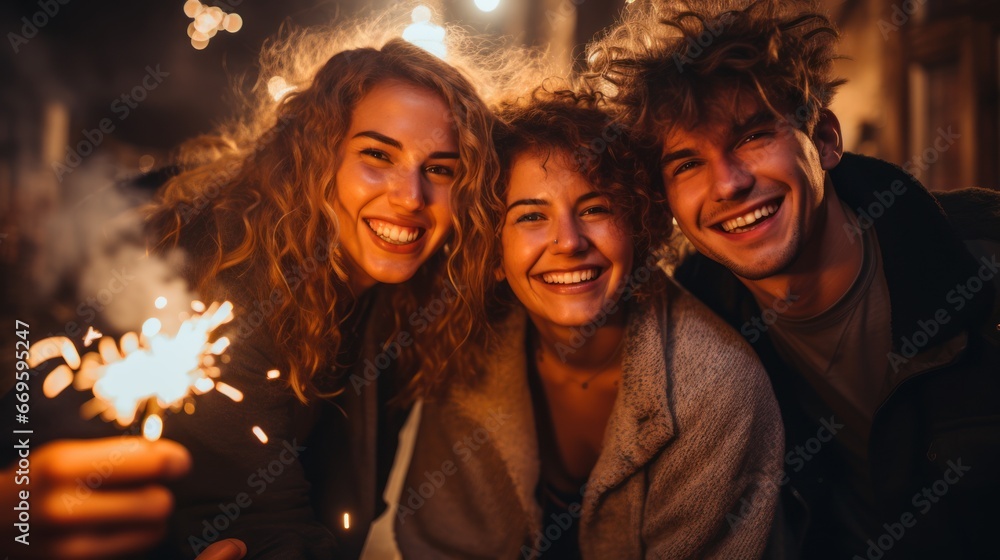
x=690 y=468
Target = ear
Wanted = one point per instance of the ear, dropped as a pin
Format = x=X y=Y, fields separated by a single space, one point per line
x=828 y=139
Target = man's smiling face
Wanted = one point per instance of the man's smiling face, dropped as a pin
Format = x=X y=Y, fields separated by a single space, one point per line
x=747 y=188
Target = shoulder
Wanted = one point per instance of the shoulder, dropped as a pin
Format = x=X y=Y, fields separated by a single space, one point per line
x=711 y=283
x=692 y=329
x=973 y=212
x=706 y=356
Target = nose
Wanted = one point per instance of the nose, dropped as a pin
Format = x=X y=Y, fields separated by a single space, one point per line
x=731 y=178
x=406 y=190
x=569 y=237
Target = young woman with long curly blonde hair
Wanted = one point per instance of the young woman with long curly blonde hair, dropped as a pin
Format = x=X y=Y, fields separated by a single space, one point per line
x=327 y=217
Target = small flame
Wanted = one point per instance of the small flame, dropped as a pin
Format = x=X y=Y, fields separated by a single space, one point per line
x=260 y=434
x=152 y=428
x=347 y=521
x=273 y=374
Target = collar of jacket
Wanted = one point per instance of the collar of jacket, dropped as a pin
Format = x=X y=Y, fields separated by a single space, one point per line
x=641 y=421
x=923 y=258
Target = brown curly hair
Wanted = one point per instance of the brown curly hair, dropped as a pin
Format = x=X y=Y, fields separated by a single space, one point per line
x=674 y=63
x=252 y=205
x=552 y=124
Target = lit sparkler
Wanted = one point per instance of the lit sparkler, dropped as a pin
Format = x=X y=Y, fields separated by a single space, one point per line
x=152 y=371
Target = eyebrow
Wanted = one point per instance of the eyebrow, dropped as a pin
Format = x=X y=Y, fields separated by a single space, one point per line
x=378 y=136
x=739 y=128
x=674 y=156
x=541 y=202
x=760 y=117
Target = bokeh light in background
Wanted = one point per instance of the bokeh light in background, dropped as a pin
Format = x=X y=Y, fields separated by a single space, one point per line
x=487 y=5
x=278 y=88
x=208 y=20
x=425 y=34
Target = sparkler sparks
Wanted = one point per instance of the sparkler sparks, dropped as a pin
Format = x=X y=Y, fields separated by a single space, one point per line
x=152 y=428
x=154 y=371
x=260 y=434
x=92 y=335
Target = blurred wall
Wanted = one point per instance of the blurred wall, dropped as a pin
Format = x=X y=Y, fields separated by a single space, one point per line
x=923 y=86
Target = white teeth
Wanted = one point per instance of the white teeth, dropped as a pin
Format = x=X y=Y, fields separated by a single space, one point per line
x=749 y=218
x=397 y=235
x=574 y=277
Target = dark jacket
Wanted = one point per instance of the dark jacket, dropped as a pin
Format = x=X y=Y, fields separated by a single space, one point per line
x=934 y=450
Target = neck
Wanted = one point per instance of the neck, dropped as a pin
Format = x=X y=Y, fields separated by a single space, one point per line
x=567 y=348
x=821 y=274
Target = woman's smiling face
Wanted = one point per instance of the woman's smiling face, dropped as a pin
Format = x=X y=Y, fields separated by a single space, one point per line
x=392 y=200
x=566 y=254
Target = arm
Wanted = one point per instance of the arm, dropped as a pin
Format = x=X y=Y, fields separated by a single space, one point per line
x=240 y=487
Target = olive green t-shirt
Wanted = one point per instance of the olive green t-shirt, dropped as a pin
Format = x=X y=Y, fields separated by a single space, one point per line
x=841 y=352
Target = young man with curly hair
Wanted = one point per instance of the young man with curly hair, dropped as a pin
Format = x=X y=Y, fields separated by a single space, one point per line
x=870 y=300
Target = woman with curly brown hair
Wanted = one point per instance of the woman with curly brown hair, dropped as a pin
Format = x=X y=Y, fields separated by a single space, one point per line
x=607 y=413
x=326 y=217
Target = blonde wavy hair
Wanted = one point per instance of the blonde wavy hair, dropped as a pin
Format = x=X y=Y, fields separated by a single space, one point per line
x=252 y=208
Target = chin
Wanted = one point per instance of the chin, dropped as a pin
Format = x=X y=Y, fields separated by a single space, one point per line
x=394 y=277
x=754 y=270
x=575 y=320
x=389 y=273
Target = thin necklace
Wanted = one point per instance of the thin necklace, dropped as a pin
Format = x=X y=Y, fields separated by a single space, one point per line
x=586 y=382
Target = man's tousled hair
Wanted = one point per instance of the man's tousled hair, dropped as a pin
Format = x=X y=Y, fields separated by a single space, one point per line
x=673 y=64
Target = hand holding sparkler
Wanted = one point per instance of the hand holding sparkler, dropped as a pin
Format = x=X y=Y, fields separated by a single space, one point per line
x=122 y=508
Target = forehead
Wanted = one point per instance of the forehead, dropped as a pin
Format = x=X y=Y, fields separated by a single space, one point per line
x=403 y=110
x=545 y=174
x=718 y=118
